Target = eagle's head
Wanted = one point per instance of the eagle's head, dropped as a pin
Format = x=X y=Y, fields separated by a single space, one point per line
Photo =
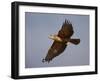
x=56 y=38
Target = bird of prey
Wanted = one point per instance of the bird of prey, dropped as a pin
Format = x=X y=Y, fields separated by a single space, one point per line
x=61 y=41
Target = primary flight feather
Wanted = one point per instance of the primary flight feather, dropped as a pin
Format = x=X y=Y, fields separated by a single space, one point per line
x=61 y=41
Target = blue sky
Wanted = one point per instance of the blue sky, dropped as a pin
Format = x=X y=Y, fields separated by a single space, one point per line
x=38 y=26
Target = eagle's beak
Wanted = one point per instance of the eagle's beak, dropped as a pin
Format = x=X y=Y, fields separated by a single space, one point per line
x=51 y=37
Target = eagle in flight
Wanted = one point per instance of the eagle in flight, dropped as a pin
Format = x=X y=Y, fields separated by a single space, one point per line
x=61 y=41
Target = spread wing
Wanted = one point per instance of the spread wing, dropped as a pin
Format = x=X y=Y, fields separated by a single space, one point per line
x=66 y=31
x=57 y=48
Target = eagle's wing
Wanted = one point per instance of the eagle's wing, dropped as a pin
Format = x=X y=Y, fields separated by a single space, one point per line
x=57 y=48
x=66 y=31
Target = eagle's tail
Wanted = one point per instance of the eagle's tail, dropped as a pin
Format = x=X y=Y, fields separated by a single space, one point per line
x=75 y=41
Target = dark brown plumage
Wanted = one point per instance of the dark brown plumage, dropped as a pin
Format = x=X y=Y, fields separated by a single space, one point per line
x=58 y=47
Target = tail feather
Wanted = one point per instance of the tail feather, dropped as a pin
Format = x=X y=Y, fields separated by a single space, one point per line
x=75 y=41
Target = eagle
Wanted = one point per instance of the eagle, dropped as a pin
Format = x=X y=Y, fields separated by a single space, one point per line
x=61 y=41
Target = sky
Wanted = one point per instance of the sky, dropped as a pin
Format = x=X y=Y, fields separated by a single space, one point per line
x=38 y=26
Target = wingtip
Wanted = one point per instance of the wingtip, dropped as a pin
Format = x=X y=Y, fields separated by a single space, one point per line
x=67 y=21
x=44 y=60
